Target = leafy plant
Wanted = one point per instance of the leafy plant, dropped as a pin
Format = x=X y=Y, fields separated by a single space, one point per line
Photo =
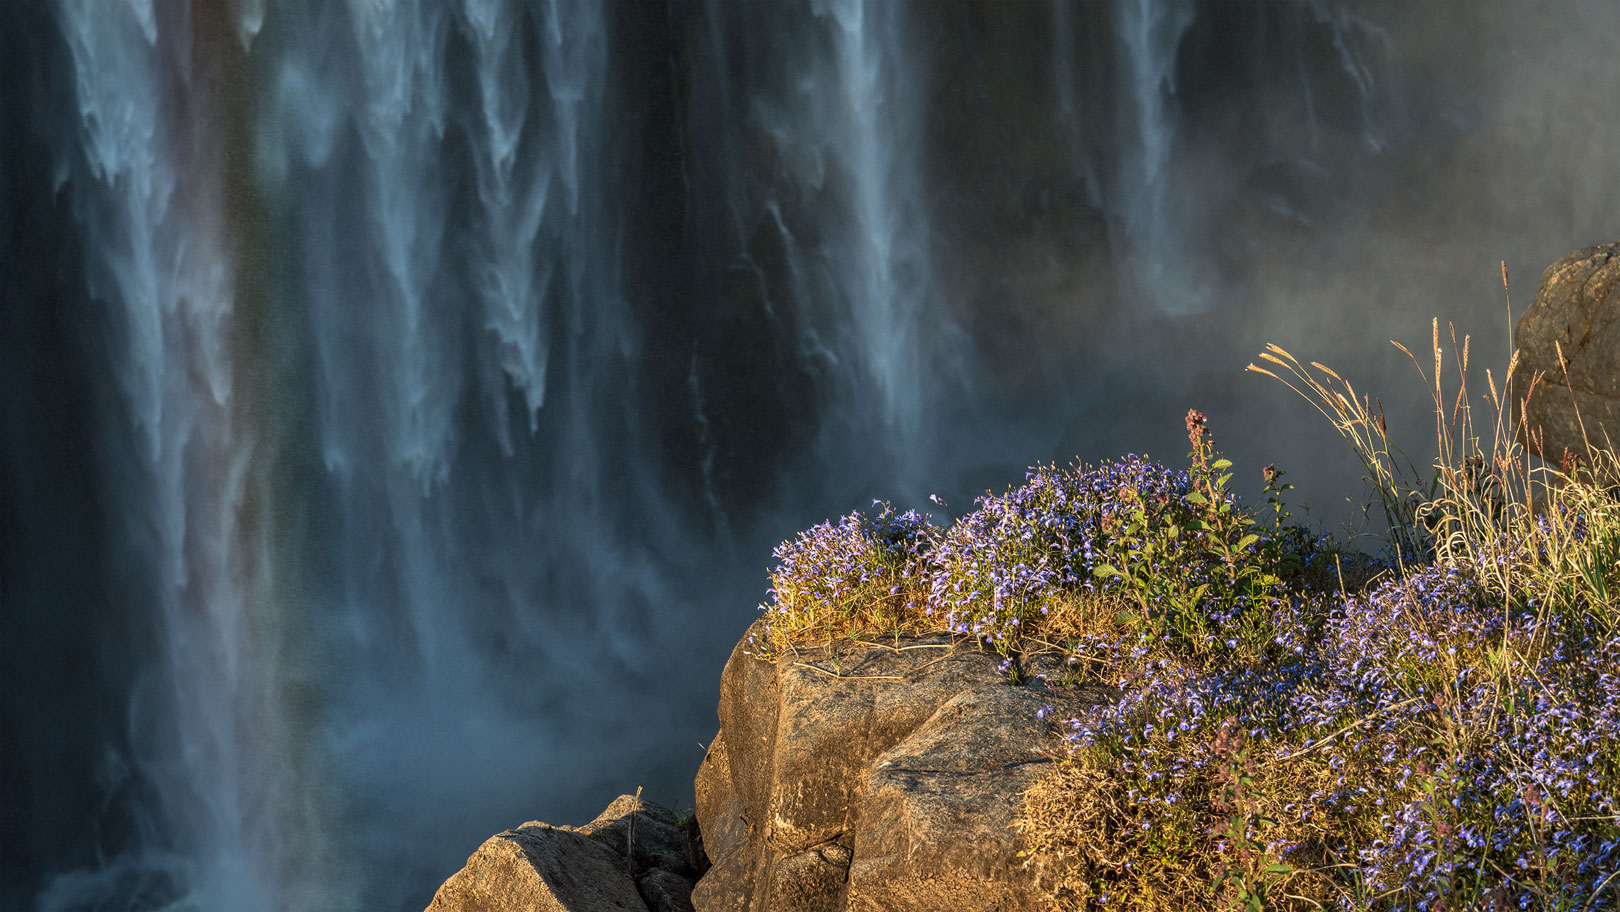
x=1251 y=873
x=1203 y=573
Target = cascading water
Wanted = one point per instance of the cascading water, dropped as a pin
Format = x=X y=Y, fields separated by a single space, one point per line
x=146 y=188
x=1150 y=34
x=867 y=127
x=403 y=397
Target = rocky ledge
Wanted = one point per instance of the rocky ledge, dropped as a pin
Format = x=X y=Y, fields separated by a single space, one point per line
x=635 y=856
x=881 y=776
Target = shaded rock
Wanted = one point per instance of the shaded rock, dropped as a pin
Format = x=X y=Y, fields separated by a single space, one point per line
x=540 y=868
x=719 y=804
x=634 y=856
x=655 y=834
x=663 y=891
x=727 y=885
x=874 y=777
x=1577 y=310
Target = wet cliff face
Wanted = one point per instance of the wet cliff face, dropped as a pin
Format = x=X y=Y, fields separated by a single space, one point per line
x=402 y=401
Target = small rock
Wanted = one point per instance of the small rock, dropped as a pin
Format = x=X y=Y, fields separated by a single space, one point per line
x=540 y=869
x=1576 y=311
x=634 y=857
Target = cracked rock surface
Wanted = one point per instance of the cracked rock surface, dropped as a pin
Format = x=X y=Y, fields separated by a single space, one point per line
x=881 y=777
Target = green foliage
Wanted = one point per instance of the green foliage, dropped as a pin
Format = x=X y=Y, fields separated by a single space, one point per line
x=1205 y=579
x=1251 y=874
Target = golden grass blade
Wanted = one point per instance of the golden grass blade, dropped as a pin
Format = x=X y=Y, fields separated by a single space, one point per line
x=1326 y=370
x=1435 y=329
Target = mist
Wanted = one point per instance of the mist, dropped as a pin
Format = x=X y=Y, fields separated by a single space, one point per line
x=402 y=400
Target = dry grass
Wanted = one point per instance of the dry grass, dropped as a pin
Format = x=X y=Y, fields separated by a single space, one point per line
x=1140 y=814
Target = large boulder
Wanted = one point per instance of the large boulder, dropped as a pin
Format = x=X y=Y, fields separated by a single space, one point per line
x=635 y=856
x=1577 y=310
x=881 y=777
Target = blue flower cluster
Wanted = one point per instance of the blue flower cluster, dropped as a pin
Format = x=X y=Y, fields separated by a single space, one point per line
x=1447 y=751
x=859 y=569
x=1163 y=540
x=995 y=569
x=1424 y=744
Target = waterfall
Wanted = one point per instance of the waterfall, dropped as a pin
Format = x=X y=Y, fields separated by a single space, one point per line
x=1150 y=34
x=833 y=93
x=865 y=134
x=405 y=395
x=148 y=188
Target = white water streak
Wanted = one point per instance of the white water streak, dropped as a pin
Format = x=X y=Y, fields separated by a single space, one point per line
x=871 y=134
x=1150 y=32
x=151 y=208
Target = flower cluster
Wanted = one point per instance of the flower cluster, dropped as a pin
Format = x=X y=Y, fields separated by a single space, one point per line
x=998 y=567
x=1404 y=749
x=862 y=572
x=1172 y=545
x=1430 y=737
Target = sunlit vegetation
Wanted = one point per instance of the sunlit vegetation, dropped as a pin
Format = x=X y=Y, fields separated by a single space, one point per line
x=1433 y=727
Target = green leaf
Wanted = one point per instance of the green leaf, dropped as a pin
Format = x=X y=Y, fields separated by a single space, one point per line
x=1278 y=867
x=1222 y=463
x=1221 y=481
x=1105 y=570
x=1246 y=541
x=1196 y=498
